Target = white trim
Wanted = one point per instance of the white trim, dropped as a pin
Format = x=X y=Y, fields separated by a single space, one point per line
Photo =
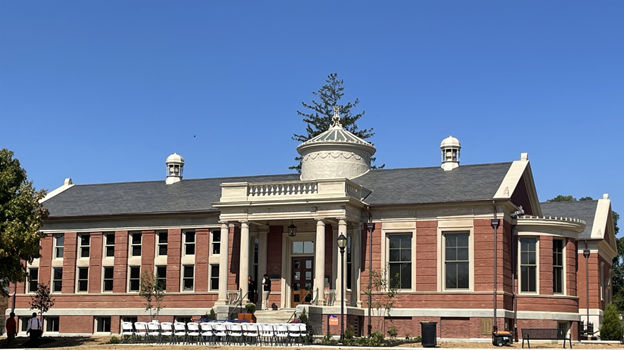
x=77 y=279
x=442 y=258
x=182 y=279
x=537 y=267
x=130 y=228
x=517 y=171
x=66 y=185
x=129 y=269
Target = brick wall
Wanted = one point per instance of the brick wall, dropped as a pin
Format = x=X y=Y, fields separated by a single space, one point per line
x=95 y=263
x=174 y=237
x=45 y=262
x=121 y=261
x=202 y=248
x=69 y=263
x=426 y=255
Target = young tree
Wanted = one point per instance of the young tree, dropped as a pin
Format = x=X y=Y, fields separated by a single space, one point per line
x=383 y=291
x=318 y=114
x=146 y=290
x=21 y=216
x=42 y=300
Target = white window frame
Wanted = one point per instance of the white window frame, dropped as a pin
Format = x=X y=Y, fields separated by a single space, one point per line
x=81 y=245
x=563 y=270
x=129 y=278
x=48 y=321
x=56 y=246
x=30 y=281
x=132 y=245
x=159 y=244
x=537 y=266
x=210 y=277
x=156 y=278
x=78 y=279
x=442 y=275
x=186 y=244
x=182 y=290
x=52 y=280
x=104 y=279
x=602 y=278
x=213 y=242
x=108 y=245
x=97 y=320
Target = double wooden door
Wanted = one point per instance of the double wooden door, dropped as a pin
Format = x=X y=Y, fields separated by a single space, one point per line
x=302 y=280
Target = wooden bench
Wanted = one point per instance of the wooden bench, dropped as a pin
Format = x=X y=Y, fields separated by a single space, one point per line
x=529 y=334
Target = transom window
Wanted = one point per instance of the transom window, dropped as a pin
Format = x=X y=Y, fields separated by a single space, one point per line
x=303 y=247
x=83 y=279
x=84 y=242
x=528 y=265
x=456 y=260
x=216 y=241
x=188 y=276
x=107 y=285
x=189 y=242
x=109 y=245
x=59 y=245
x=557 y=266
x=135 y=244
x=57 y=279
x=134 y=281
x=400 y=260
x=162 y=243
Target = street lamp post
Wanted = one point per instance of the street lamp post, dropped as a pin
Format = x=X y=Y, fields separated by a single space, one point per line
x=586 y=255
x=342 y=243
x=370 y=226
x=495 y=223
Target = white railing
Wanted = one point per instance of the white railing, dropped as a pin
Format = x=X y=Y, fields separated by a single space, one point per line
x=282 y=189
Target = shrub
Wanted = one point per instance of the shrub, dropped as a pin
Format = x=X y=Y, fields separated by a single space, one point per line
x=611 y=328
x=250 y=308
x=328 y=340
x=212 y=315
x=114 y=340
x=392 y=331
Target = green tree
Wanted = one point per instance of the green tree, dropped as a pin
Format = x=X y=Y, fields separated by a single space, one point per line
x=618 y=267
x=611 y=328
x=318 y=114
x=42 y=300
x=383 y=292
x=21 y=217
x=562 y=198
x=152 y=291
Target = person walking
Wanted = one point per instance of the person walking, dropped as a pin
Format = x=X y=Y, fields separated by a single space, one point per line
x=34 y=327
x=266 y=290
x=11 y=327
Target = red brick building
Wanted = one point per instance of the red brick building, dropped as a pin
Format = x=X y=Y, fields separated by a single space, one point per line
x=432 y=237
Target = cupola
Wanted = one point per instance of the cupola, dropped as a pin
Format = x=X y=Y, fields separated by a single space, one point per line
x=450 y=147
x=175 y=166
x=335 y=153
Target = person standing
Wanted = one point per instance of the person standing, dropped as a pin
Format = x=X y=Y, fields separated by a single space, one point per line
x=266 y=290
x=251 y=288
x=34 y=327
x=11 y=327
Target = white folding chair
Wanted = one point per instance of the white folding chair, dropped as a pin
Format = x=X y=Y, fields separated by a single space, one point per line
x=206 y=332
x=219 y=330
x=179 y=331
x=192 y=331
x=153 y=331
x=293 y=332
x=140 y=330
x=235 y=332
x=267 y=333
x=127 y=331
x=166 y=330
x=250 y=332
x=303 y=332
x=281 y=333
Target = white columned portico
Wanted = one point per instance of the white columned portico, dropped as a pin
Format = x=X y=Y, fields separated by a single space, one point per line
x=341 y=264
x=319 y=261
x=223 y=264
x=244 y=261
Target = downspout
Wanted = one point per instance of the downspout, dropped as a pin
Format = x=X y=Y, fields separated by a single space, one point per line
x=514 y=275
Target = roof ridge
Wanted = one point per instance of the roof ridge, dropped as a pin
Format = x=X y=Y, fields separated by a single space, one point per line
x=185 y=180
x=438 y=167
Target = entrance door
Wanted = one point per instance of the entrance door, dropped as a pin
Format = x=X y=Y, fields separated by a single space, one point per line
x=302 y=279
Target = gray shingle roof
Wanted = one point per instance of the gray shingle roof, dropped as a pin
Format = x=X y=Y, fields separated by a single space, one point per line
x=389 y=186
x=584 y=210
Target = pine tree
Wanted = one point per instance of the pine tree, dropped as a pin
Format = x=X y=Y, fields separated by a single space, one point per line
x=318 y=114
x=611 y=328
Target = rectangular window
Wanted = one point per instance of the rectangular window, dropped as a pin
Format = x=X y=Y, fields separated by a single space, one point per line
x=161 y=276
x=214 y=277
x=528 y=265
x=59 y=245
x=557 y=266
x=216 y=241
x=189 y=242
x=52 y=324
x=456 y=260
x=349 y=263
x=83 y=279
x=33 y=279
x=134 y=280
x=109 y=245
x=103 y=324
x=57 y=279
x=162 y=243
x=135 y=244
x=187 y=279
x=107 y=280
x=24 y=322
x=84 y=242
x=400 y=260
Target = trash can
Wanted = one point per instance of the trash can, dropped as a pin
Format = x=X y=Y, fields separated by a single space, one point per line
x=428 y=334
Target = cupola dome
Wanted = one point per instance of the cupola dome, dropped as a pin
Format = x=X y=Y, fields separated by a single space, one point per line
x=335 y=153
x=450 y=147
x=175 y=167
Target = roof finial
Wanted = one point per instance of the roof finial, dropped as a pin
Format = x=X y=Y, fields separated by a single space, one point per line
x=336 y=117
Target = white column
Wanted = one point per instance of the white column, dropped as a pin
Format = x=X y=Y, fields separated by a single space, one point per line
x=319 y=261
x=342 y=229
x=262 y=266
x=356 y=250
x=243 y=272
x=223 y=264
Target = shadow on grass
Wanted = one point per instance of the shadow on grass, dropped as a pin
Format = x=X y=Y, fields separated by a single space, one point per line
x=49 y=342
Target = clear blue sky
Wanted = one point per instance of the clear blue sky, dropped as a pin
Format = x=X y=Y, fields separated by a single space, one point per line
x=104 y=91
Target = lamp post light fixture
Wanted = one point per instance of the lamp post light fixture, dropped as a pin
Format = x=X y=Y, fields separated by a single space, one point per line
x=586 y=255
x=292 y=230
x=342 y=243
x=370 y=227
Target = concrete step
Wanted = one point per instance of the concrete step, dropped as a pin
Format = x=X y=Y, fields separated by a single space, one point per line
x=273 y=316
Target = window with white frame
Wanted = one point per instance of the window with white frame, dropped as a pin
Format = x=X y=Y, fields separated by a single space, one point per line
x=457 y=260
x=400 y=260
x=215 y=241
x=135 y=244
x=162 y=243
x=107 y=278
x=188 y=276
x=134 y=278
x=558 y=266
x=33 y=279
x=528 y=264
x=52 y=323
x=602 y=285
x=57 y=279
x=189 y=242
x=214 y=277
x=349 y=275
x=103 y=324
x=59 y=245
x=84 y=245
x=161 y=276
x=83 y=279
x=109 y=245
